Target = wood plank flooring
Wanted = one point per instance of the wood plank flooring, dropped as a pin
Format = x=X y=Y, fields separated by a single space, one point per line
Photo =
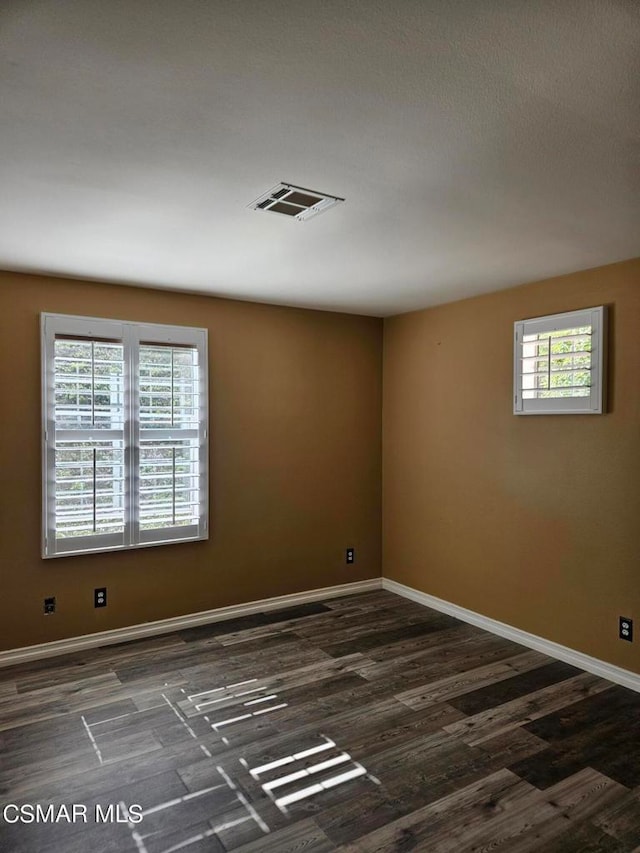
x=364 y=723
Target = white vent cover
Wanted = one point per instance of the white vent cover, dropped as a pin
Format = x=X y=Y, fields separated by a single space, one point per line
x=296 y=202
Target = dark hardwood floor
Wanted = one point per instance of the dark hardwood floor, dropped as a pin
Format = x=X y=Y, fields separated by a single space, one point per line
x=365 y=723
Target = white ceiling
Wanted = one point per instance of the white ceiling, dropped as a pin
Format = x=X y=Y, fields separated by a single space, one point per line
x=478 y=144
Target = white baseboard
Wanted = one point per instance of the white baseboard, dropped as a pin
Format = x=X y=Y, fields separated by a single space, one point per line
x=179 y=623
x=532 y=641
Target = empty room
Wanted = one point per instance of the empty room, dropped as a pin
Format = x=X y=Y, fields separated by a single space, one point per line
x=320 y=436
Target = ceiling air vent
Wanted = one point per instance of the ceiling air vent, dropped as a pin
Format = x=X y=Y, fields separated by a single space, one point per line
x=296 y=202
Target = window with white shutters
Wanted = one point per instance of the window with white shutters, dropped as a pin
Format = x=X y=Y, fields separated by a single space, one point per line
x=125 y=434
x=559 y=363
x=169 y=454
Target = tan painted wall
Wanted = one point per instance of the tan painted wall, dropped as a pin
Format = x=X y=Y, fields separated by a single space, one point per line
x=534 y=521
x=295 y=400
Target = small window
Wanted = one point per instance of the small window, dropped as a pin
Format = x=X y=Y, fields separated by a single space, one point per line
x=125 y=434
x=559 y=364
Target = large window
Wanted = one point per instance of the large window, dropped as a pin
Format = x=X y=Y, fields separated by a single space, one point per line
x=125 y=434
x=559 y=363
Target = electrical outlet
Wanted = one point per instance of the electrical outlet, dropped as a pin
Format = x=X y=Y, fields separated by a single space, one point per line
x=351 y=555
x=49 y=606
x=100 y=597
x=626 y=629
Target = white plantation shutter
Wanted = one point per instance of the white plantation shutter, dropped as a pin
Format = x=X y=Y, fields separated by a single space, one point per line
x=559 y=363
x=170 y=434
x=125 y=434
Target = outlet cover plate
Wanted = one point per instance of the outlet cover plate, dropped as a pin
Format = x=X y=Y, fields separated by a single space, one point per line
x=626 y=629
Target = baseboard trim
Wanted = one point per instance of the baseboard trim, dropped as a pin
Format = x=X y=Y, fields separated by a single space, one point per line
x=598 y=667
x=178 y=623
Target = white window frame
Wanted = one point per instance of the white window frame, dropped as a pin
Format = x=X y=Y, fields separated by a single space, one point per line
x=131 y=335
x=594 y=404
